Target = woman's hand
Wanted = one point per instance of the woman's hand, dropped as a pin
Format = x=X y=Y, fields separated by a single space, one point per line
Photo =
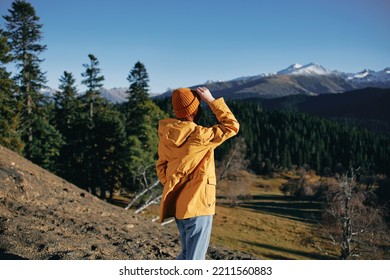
x=205 y=94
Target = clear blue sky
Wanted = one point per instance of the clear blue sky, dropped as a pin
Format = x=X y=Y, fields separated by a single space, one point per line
x=184 y=43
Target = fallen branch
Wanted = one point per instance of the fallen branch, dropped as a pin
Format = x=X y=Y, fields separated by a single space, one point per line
x=168 y=222
x=155 y=184
x=146 y=205
x=164 y=223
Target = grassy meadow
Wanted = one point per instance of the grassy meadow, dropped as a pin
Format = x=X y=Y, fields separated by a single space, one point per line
x=264 y=222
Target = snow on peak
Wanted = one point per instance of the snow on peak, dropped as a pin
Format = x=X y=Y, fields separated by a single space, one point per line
x=363 y=73
x=308 y=69
x=290 y=69
x=213 y=81
x=295 y=66
x=365 y=77
x=386 y=70
x=370 y=76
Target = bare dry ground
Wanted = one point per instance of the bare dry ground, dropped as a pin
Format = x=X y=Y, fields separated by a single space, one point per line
x=44 y=217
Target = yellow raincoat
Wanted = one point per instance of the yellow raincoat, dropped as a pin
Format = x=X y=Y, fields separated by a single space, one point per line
x=186 y=163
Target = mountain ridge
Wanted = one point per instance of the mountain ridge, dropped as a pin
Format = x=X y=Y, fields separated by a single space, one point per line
x=308 y=79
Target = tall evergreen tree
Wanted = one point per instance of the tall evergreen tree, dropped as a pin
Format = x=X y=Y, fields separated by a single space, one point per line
x=67 y=118
x=93 y=81
x=9 y=107
x=87 y=143
x=66 y=101
x=24 y=34
x=137 y=98
x=142 y=117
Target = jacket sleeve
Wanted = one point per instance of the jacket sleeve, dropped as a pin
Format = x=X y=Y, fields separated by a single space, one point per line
x=228 y=125
x=161 y=167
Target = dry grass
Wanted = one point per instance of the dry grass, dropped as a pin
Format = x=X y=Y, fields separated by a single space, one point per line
x=267 y=225
x=263 y=235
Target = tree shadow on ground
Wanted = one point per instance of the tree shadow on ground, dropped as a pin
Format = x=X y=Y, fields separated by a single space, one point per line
x=285 y=207
x=10 y=256
x=279 y=252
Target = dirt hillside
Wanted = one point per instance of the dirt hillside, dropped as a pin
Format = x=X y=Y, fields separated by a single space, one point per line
x=45 y=217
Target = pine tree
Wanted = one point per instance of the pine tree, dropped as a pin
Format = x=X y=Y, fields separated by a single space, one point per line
x=67 y=117
x=135 y=107
x=24 y=34
x=9 y=113
x=93 y=81
x=142 y=117
x=87 y=143
x=66 y=101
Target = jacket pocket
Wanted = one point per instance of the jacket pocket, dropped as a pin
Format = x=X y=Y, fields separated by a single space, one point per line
x=211 y=191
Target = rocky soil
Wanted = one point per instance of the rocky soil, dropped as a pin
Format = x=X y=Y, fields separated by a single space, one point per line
x=45 y=217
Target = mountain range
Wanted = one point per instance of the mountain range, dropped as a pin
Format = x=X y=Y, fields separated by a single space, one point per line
x=309 y=79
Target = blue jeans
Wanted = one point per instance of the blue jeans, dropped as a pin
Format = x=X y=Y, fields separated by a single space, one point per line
x=194 y=236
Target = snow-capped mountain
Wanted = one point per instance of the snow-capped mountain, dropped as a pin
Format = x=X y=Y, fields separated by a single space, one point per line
x=362 y=74
x=308 y=79
x=365 y=76
x=311 y=69
x=371 y=77
x=360 y=79
x=315 y=69
x=290 y=69
x=308 y=69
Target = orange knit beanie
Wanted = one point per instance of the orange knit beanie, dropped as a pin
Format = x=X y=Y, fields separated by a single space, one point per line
x=184 y=102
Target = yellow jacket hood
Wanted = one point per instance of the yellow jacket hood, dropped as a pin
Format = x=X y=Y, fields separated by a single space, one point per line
x=175 y=132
